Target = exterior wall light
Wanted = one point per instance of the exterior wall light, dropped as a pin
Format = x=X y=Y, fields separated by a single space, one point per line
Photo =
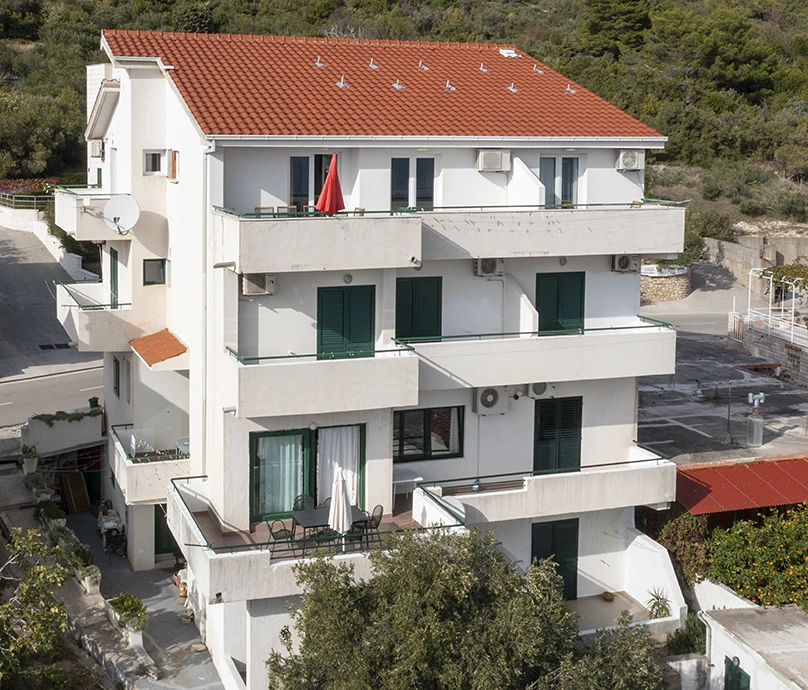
x=347 y=278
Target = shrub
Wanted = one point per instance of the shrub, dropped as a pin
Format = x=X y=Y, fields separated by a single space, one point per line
x=131 y=610
x=750 y=207
x=691 y=638
x=791 y=205
x=685 y=536
x=658 y=605
x=48 y=510
x=82 y=556
x=710 y=222
x=767 y=563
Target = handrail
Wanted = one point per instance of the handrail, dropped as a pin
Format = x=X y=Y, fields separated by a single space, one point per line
x=477 y=208
x=75 y=189
x=566 y=331
x=351 y=354
x=89 y=307
x=303 y=544
x=26 y=202
x=157 y=456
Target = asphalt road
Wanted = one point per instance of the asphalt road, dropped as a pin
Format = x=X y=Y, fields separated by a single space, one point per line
x=20 y=399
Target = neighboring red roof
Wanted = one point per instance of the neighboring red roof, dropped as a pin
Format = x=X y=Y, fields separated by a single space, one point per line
x=720 y=487
x=271 y=85
x=158 y=347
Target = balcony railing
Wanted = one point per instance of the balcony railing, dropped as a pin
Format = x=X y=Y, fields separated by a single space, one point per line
x=26 y=202
x=127 y=436
x=327 y=356
x=89 y=295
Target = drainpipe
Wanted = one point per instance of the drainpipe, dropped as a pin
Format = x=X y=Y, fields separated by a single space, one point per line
x=500 y=280
x=709 y=638
x=206 y=151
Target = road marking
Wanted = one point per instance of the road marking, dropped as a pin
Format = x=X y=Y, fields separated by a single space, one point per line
x=94 y=388
x=25 y=379
x=7 y=403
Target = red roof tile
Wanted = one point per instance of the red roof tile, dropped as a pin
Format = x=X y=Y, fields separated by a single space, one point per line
x=158 y=347
x=740 y=486
x=271 y=85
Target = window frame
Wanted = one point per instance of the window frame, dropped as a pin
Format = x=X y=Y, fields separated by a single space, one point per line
x=427 y=455
x=127 y=377
x=116 y=376
x=164 y=264
x=557 y=200
x=412 y=182
x=147 y=153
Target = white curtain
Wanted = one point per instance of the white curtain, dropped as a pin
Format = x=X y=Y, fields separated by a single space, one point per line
x=338 y=448
x=278 y=473
x=454 y=433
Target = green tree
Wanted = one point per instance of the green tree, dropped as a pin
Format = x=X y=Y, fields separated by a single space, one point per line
x=611 y=27
x=31 y=621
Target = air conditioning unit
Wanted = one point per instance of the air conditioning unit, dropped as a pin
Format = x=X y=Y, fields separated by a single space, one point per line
x=485 y=268
x=631 y=160
x=626 y=263
x=97 y=148
x=493 y=160
x=258 y=284
x=491 y=400
x=539 y=390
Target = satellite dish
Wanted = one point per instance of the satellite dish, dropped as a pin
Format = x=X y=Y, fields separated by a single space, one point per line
x=121 y=213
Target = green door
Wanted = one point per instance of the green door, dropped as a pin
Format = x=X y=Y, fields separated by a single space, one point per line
x=90 y=460
x=559 y=541
x=735 y=678
x=560 y=301
x=346 y=321
x=418 y=307
x=113 y=278
x=557 y=435
x=163 y=539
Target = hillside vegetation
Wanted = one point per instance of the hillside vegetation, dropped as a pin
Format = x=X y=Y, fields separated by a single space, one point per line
x=725 y=80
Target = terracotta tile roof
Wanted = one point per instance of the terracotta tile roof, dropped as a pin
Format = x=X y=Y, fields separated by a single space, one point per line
x=158 y=347
x=271 y=85
x=740 y=486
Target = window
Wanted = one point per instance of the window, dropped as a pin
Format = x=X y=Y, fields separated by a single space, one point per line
x=418 y=307
x=127 y=379
x=154 y=271
x=563 y=190
x=429 y=434
x=399 y=183
x=569 y=181
x=152 y=162
x=116 y=377
x=299 y=182
x=547 y=176
x=425 y=182
x=560 y=301
x=559 y=541
x=346 y=321
x=557 y=435
x=735 y=678
x=173 y=165
x=322 y=162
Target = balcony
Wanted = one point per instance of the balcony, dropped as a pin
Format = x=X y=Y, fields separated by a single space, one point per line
x=641 y=348
x=80 y=213
x=260 y=244
x=238 y=565
x=508 y=232
x=647 y=478
x=97 y=323
x=142 y=471
x=302 y=384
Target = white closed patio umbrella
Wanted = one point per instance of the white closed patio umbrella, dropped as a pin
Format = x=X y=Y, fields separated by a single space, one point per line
x=340 y=516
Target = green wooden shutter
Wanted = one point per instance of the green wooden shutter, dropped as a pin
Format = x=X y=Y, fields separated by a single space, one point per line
x=405 y=306
x=361 y=305
x=569 y=434
x=545 y=447
x=571 y=300
x=566 y=555
x=331 y=340
x=735 y=678
x=542 y=541
x=547 y=301
x=428 y=307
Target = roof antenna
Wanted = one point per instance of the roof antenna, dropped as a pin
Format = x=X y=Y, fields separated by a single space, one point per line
x=512 y=88
x=449 y=87
x=422 y=66
x=342 y=83
x=483 y=68
x=373 y=65
x=398 y=86
x=319 y=62
x=569 y=89
x=537 y=69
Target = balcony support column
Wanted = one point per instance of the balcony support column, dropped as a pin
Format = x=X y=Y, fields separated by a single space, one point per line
x=388 y=303
x=140 y=536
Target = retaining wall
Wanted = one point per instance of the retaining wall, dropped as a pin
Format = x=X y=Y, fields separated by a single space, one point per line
x=791 y=356
x=739 y=259
x=661 y=287
x=31 y=221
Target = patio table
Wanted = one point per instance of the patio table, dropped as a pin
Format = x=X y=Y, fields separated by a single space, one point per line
x=318 y=517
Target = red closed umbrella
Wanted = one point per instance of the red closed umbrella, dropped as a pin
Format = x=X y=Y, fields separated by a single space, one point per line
x=330 y=200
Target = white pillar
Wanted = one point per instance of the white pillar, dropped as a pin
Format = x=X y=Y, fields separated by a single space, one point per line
x=140 y=536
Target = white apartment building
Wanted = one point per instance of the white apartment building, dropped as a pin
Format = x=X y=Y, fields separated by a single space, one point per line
x=463 y=341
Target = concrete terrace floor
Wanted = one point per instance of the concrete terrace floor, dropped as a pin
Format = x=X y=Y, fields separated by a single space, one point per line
x=685 y=415
x=167 y=640
x=596 y=613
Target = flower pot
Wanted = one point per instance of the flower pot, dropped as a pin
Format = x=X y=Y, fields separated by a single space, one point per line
x=135 y=636
x=93 y=402
x=45 y=495
x=608 y=596
x=90 y=584
x=58 y=522
x=29 y=464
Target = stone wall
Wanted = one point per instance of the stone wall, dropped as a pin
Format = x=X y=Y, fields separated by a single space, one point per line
x=739 y=259
x=792 y=357
x=664 y=288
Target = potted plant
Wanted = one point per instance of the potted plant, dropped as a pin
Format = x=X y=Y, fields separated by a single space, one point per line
x=608 y=596
x=30 y=459
x=90 y=578
x=658 y=605
x=93 y=402
x=127 y=613
x=50 y=515
x=39 y=487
